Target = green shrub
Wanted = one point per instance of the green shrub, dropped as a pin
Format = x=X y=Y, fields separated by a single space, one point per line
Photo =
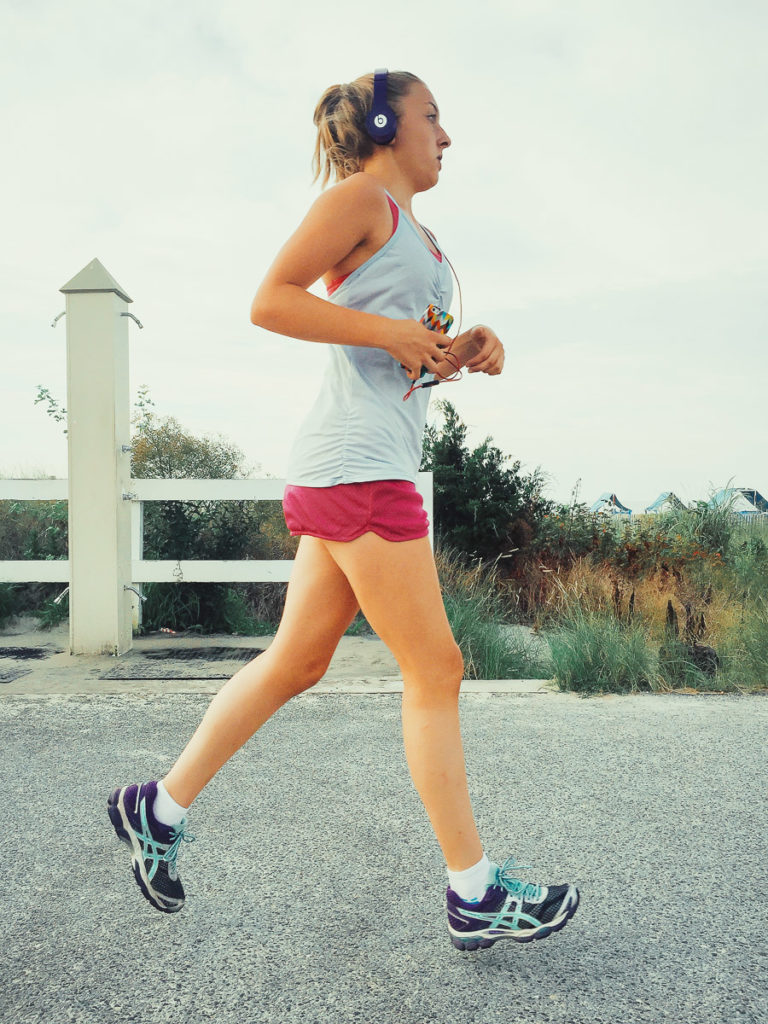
x=236 y=615
x=227 y=530
x=50 y=613
x=566 y=533
x=7 y=602
x=33 y=529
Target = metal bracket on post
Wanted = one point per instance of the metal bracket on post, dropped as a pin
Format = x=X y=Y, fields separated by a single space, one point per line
x=141 y=325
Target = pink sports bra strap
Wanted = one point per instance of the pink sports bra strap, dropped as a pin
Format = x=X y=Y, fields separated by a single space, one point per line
x=438 y=255
x=331 y=288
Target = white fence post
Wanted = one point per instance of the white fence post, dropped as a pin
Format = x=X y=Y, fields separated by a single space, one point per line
x=424 y=485
x=98 y=425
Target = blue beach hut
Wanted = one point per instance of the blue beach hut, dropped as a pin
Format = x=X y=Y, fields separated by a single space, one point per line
x=666 y=502
x=609 y=505
x=746 y=501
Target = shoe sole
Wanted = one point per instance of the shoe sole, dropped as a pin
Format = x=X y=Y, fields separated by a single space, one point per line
x=470 y=943
x=126 y=834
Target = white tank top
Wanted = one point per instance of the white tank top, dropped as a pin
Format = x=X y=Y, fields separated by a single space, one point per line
x=359 y=428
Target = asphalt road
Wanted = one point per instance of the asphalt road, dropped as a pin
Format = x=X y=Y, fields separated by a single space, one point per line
x=315 y=890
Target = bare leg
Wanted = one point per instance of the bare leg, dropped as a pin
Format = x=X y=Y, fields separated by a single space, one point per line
x=399 y=592
x=319 y=607
x=397 y=586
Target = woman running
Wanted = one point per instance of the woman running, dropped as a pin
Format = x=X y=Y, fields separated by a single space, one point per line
x=351 y=497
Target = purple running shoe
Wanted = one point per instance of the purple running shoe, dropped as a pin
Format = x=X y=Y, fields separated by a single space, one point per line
x=154 y=846
x=510 y=909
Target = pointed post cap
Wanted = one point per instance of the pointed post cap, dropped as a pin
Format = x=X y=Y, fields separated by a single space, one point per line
x=95 y=278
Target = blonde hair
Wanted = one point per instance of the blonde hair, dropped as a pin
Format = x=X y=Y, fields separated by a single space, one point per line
x=342 y=140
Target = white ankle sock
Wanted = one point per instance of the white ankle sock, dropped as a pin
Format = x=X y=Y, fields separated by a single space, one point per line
x=165 y=808
x=470 y=884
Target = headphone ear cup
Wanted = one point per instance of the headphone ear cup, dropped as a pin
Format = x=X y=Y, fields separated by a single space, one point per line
x=381 y=123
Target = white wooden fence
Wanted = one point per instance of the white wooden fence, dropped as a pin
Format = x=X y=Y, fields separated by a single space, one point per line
x=105 y=505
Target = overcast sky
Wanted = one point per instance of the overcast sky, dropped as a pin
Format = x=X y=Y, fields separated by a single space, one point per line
x=603 y=203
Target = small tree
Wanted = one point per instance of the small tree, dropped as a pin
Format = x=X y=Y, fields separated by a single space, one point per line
x=484 y=505
x=162 y=448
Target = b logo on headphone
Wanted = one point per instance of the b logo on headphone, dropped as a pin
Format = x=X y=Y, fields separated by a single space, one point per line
x=381 y=123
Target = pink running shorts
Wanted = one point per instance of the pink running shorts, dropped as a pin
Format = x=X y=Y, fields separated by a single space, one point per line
x=391 y=508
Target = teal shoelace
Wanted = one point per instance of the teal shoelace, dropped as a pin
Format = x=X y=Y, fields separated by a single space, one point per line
x=156 y=852
x=524 y=890
x=179 y=836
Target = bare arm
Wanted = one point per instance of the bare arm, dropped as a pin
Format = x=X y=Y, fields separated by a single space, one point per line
x=339 y=221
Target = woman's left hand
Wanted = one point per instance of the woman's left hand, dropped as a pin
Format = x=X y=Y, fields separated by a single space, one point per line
x=490 y=358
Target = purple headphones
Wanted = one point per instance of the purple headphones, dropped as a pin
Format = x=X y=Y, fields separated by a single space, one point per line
x=381 y=123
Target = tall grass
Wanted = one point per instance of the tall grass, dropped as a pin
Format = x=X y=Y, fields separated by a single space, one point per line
x=754 y=637
x=711 y=527
x=208 y=608
x=594 y=652
x=678 y=600
x=744 y=652
x=475 y=612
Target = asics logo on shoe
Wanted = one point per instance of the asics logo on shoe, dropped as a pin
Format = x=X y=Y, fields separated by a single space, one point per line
x=510 y=915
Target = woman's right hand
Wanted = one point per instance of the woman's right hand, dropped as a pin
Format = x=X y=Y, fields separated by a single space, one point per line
x=415 y=347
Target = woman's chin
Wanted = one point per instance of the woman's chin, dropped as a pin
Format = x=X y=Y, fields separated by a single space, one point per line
x=427 y=182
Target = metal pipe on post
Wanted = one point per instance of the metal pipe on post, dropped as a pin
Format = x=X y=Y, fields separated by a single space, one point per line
x=137 y=547
x=98 y=413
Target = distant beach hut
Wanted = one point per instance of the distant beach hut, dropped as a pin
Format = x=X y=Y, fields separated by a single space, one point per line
x=609 y=505
x=667 y=501
x=745 y=501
